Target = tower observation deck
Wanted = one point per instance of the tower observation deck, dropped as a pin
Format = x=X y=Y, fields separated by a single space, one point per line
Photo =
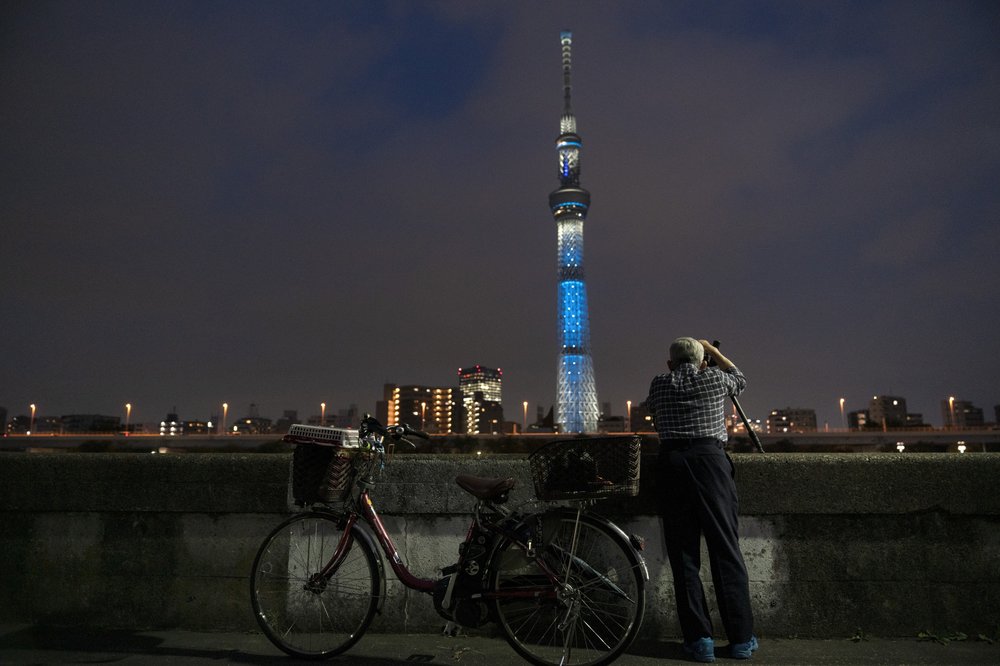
x=576 y=401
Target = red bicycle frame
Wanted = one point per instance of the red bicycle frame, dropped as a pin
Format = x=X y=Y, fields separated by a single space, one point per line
x=405 y=576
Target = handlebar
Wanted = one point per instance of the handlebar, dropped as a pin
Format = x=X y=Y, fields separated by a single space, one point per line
x=395 y=432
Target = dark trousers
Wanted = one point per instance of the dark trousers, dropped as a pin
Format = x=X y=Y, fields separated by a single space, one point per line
x=699 y=498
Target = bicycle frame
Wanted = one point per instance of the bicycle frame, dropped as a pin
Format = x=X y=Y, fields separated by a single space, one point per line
x=367 y=513
x=371 y=517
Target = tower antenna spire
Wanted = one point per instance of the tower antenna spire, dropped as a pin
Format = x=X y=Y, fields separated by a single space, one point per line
x=566 y=39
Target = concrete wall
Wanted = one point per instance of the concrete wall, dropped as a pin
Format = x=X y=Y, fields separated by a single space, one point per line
x=891 y=544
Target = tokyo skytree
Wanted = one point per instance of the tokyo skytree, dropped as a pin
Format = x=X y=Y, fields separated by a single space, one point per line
x=576 y=401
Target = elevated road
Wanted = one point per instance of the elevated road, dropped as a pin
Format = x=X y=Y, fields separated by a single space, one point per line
x=843 y=441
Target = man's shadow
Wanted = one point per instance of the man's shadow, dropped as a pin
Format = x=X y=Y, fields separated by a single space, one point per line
x=658 y=650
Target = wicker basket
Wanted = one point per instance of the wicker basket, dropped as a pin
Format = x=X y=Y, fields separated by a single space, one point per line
x=586 y=467
x=322 y=465
x=321 y=474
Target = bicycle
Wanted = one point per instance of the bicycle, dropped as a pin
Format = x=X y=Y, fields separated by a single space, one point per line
x=565 y=585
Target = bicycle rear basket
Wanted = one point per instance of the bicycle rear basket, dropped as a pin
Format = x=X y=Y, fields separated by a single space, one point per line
x=322 y=469
x=586 y=467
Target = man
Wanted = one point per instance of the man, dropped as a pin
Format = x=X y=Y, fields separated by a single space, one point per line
x=699 y=495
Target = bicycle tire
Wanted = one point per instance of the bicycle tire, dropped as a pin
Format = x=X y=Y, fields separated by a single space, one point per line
x=306 y=618
x=606 y=578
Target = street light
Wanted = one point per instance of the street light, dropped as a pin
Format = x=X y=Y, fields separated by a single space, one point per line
x=322 y=413
x=31 y=423
x=225 y=410
x=128 y=415
x=843 y=418
x=524 y=423
x=423 y=415
x=900 y=446
x=961 y=446
x=628 y=412
x=951 y=411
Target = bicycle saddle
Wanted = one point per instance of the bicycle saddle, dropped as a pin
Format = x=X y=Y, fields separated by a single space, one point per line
x=485 y=488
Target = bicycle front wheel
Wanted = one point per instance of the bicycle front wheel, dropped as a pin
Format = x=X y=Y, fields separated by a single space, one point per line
x=591 y=615
x=304 y=611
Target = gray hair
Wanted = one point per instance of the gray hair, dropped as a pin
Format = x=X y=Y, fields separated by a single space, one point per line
x=686 y=350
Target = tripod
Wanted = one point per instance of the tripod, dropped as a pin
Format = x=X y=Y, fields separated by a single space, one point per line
x=739 y=410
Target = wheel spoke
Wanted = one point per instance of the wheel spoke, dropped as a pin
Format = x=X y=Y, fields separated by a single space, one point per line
x=300 y=612
x=592 y=615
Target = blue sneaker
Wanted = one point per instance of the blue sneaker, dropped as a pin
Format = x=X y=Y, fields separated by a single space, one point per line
x=743 y=650
x=702 y=650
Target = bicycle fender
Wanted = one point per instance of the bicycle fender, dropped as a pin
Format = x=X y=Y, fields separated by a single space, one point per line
x=359 y=532
x=619 y=534
x=624 y=538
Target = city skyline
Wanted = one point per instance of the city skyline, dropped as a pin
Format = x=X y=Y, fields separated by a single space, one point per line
x=954 y=411
x=284 y=204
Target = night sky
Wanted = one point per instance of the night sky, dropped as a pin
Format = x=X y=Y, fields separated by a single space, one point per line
x=284 y=203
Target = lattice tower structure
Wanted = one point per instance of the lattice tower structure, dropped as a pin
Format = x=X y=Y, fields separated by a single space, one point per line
x=576 y=400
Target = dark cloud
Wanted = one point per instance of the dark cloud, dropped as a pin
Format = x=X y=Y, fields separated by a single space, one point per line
x=289 y=203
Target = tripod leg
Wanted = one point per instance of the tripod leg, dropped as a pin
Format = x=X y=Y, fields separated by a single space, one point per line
x=746 y=423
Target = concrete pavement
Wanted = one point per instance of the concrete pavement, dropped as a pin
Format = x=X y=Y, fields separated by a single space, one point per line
x=26 y=644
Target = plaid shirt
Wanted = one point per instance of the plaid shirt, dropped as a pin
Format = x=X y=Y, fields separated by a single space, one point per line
x=691 y=403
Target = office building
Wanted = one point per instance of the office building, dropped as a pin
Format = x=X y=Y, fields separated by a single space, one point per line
x=887 y=411
x=791 y=419
x=481 y=396
x=427 y=408
x=961 y=414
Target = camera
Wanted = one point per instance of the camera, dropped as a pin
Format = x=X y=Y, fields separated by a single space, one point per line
x=711 y=359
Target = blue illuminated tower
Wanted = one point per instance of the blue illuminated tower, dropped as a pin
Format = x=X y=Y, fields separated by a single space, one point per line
x=576 y=401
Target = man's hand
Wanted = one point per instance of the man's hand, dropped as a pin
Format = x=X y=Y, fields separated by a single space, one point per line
x=713 y=351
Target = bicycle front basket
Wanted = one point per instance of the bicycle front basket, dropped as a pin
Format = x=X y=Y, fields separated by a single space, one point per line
x=322 y=469
x=586 y=467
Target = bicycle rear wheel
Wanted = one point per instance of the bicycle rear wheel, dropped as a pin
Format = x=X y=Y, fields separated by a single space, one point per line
x=592 y=615
x=303 y=613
